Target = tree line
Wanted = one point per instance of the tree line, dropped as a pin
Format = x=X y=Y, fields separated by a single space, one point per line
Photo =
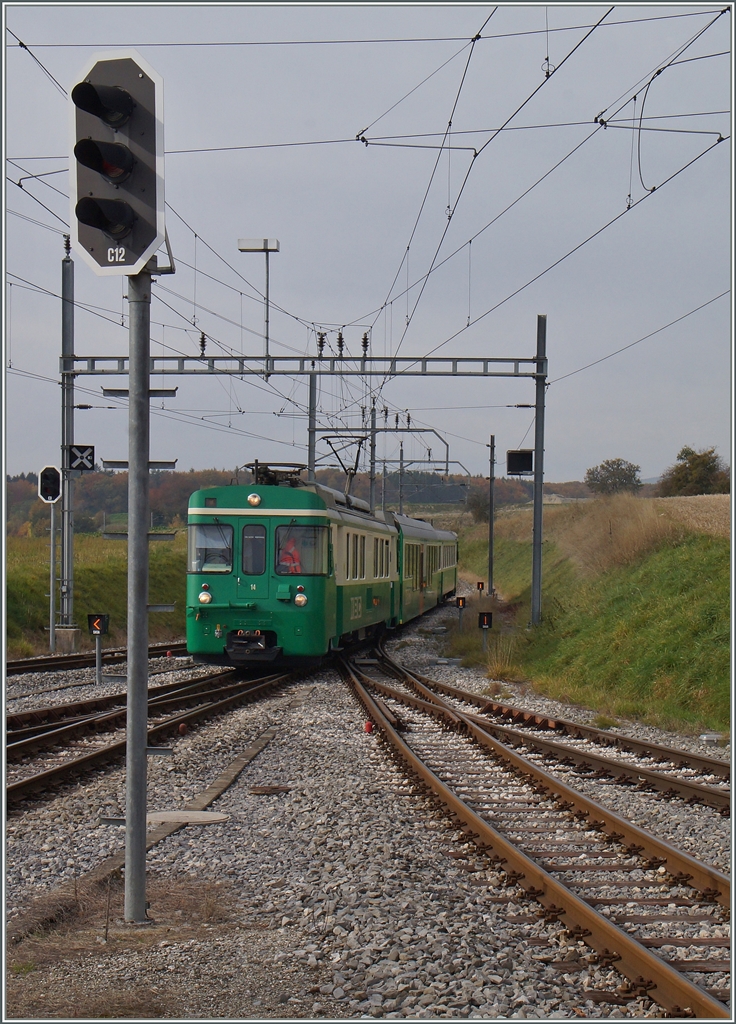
x=101 y=495
x=694 y=472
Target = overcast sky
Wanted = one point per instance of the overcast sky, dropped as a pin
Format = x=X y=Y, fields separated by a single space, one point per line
x=360 y=224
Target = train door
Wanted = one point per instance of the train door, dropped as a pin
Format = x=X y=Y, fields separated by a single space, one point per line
x=252 y=579
x=420 y=580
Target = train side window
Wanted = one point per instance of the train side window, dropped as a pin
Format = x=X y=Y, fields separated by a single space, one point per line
x=302 y=550
x=254 y=550
x=210 y=547
x=361 y=564
x=354 y=553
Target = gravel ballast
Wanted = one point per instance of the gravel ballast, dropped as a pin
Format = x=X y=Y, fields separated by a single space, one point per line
x=341 y=895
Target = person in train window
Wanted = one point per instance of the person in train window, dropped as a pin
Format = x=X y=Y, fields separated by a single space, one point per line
x=289 y=558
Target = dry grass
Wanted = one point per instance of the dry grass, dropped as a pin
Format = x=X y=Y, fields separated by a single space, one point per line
x=501 y=663
x=609 y=532
x=89 y=925
x=606 y=532
x=701 y=513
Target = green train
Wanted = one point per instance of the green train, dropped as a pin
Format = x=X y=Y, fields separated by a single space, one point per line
x=285 y=571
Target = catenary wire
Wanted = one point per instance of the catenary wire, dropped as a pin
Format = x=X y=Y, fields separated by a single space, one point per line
x=595 y=234
x=638 y=341
x=346 y=42
x=475 y=157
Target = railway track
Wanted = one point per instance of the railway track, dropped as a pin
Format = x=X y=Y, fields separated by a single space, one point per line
x=196 y=700
x=656 y=914
x=672 y=772
x=110 y=656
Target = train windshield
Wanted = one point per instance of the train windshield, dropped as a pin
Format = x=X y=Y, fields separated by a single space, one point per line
x=254 y=550
x=210 y=548
x=302 y=550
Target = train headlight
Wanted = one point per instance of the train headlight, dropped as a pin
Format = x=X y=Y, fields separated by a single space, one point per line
x=254 y=499
x=300 y=600
x=205 y=597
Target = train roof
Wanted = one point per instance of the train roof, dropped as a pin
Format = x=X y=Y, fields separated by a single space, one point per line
x=288 y=492
x=422 y=530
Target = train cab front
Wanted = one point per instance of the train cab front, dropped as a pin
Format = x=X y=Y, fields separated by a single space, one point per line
x=256 y=577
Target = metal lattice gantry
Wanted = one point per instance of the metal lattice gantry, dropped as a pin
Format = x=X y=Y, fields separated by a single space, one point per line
x=342 y=366
x=388 y=367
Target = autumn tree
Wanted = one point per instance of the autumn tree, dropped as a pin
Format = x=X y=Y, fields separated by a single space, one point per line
x=613 y=476
x=694 y=472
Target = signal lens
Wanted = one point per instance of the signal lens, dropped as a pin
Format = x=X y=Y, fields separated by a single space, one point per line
x=112 y=216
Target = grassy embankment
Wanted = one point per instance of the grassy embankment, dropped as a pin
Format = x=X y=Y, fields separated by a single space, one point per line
x=635 y=609
x=100 y=586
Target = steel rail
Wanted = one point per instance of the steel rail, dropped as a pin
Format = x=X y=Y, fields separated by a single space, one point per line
x=684 y=758
x=49 y=715
x=664 y=984
x=671 y=785
x=17 y=791
x=110 y=656
x=105 y=722
x=706 y=879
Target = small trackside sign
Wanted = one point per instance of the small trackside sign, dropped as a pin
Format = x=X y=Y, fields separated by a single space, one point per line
x=98 y=624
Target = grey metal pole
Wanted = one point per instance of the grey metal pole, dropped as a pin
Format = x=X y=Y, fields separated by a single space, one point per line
x=67 y=438
x=139 y=304
x=312 y=429
x=267 y=309
x=98 y=660
x=373 y=458
x=491 y=510
x=401 y=479
x=541 y=386
x=52 y=580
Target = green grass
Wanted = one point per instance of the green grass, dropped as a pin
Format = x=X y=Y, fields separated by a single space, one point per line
x=100 y=586
x=648 y=640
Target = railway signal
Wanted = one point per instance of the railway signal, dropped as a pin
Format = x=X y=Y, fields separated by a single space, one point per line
x=49 y=484
x=117 y=170
x=520 y=463
x=97 y=625
x=485 y=621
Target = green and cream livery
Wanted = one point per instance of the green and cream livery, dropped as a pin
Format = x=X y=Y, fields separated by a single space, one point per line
x=284 y=571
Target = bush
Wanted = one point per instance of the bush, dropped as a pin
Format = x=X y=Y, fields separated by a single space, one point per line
x=694 y=472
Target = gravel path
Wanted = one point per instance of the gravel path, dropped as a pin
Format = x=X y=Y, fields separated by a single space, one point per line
x=342 y=895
